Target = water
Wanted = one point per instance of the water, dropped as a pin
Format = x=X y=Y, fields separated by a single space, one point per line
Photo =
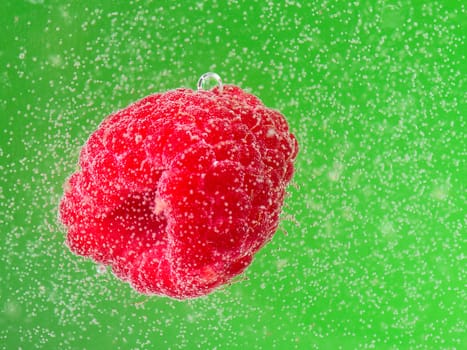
x=371 y=251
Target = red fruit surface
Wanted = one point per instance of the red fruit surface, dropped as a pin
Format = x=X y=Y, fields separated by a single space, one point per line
x=179 y=190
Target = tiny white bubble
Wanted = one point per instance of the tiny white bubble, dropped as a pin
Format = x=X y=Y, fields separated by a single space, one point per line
x=271 y=132
x=101 y=269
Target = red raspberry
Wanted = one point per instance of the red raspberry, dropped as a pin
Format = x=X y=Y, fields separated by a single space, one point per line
x=179 y=190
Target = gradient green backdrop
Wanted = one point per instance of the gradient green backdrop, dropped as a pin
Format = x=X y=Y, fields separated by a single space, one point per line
x=371 y=250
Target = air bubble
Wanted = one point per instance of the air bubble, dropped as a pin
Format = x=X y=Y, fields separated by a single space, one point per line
x=101 y=269
x=209 y=80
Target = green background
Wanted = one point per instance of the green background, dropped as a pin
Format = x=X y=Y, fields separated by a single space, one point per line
x=371 y=249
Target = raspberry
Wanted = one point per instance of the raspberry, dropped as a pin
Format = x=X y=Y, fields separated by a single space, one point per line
x=179 y=190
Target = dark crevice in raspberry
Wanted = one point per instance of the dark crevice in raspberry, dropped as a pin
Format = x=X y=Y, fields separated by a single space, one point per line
x=137 y=224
